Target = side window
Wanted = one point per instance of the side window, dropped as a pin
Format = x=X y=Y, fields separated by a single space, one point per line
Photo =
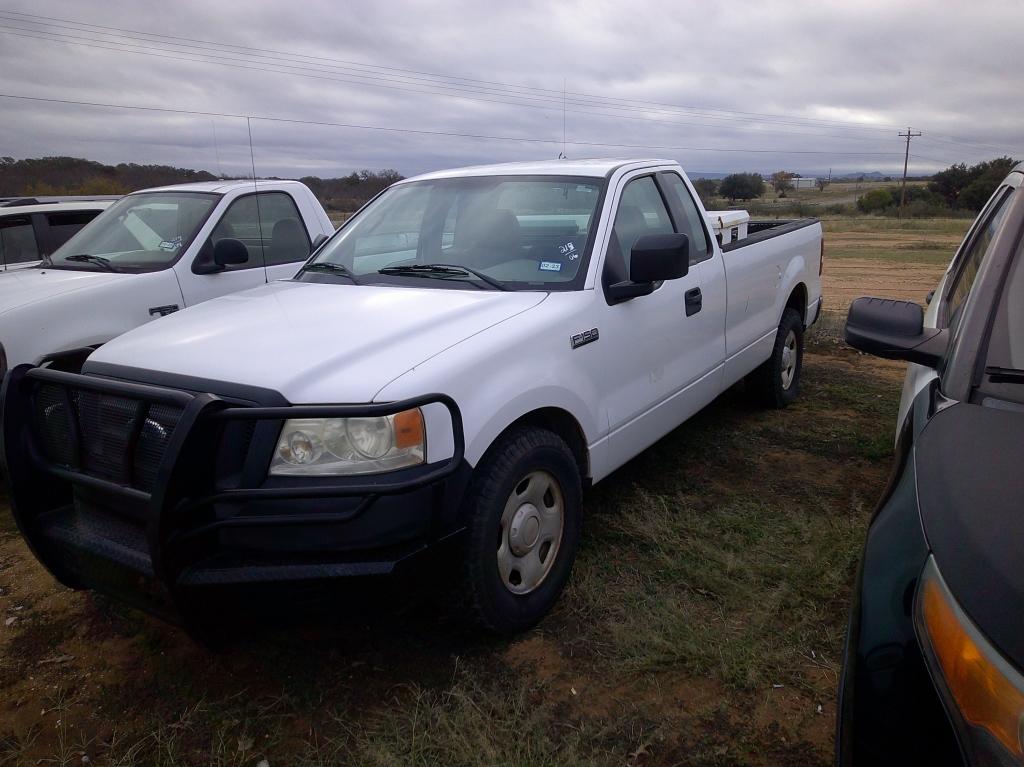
x=63 y=225
x=269 y=226
x=691 y=222
x=286 y=238
x=17 y=241
x=641 y=211
x=970 y=261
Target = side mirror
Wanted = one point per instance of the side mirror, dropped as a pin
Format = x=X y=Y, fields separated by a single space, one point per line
x=894 y=330
x=229 y=251
x=654 y=258
x=319 y=240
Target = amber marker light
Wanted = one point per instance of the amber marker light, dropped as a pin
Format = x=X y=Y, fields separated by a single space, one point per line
x=988 y=692
x=409 y=429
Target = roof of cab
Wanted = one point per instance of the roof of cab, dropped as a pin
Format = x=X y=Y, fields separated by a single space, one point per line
x=598 y=168
x=222 y=186
x=55 y=207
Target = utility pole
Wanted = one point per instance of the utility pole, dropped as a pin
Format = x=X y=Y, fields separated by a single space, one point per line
x=906 y=160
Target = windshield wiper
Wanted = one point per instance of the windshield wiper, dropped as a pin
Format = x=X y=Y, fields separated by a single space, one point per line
x=105 y=263
x=329 y=268
x=444 y=271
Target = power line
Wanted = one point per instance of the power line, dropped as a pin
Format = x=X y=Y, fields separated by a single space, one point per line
x=503 y=88
x=88 y=42
x=522 y=99
x=525 y=139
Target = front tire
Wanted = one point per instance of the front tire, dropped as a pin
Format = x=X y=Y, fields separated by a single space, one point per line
x=524 y=517
x=776 y=383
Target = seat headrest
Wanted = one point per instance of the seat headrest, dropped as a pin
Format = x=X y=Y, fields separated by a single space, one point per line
x=288 y=240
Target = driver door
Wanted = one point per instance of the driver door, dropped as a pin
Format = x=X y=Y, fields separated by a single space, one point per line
x=658 y=371
x=271 y=229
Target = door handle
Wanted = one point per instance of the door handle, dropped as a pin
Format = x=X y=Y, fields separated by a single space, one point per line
x=694 y=301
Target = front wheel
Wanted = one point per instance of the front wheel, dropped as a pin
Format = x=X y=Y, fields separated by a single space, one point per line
x=776 y=383
x=523 y=512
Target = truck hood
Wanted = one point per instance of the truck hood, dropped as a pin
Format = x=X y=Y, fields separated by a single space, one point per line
x=312 y=343
x=27 y=286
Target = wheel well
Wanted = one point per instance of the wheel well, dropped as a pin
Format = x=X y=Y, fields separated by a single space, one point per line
x=562 y=423
x=798 y=300
x=69 y=360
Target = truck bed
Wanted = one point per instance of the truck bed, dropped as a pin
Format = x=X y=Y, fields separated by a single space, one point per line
x=759 y=231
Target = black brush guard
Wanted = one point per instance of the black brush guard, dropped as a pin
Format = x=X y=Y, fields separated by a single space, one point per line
x=130 y=488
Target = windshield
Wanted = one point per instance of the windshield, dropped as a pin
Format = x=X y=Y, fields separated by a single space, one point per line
x=509 y=232
x=138 y=233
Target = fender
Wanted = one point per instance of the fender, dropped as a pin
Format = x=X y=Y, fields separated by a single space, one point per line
x=793 y=276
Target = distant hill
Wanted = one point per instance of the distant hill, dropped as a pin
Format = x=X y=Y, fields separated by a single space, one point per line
x=46 y=176
x=72 y=175
x=873 y=175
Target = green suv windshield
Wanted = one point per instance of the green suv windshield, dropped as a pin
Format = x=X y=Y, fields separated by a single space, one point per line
x=496 y=232
x=138 y=233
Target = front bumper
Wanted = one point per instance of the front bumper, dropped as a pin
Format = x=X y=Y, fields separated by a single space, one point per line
x=153 y=494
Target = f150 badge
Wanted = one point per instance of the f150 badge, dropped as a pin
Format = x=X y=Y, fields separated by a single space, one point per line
x=584 y=338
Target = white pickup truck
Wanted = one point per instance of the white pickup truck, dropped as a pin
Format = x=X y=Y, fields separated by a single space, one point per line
x=149 y=254
x=446 y=373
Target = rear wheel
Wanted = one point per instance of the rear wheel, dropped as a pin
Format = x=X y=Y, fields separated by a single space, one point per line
x=523 y=512
x=776 y=383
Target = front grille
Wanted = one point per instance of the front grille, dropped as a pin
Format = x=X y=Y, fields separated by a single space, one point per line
x=115 y=438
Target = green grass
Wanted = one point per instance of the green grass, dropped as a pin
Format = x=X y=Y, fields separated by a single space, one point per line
x=714 y=566
x=727 y=564
x=910 y=241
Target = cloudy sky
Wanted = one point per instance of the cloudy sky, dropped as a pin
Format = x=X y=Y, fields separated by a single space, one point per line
x=417 y=86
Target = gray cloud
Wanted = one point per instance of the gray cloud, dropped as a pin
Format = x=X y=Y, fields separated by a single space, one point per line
x=948 y=69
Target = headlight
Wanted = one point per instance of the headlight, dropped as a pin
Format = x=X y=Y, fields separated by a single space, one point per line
x=984 y=692
x=332 y=446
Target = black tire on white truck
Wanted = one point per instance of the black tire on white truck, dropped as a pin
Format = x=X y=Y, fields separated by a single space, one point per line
x=776 y=383
x=524 y=517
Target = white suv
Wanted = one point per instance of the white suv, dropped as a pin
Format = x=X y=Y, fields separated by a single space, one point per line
x=31 y=230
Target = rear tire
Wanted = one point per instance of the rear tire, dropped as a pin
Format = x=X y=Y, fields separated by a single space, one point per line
x=524 y=517
x=776 y=383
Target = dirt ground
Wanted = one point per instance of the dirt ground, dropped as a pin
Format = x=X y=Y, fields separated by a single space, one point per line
x=703 y=625
x=843 y=280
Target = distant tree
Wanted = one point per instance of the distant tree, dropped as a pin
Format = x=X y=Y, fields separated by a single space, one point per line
x=821 y=183
x=782 y=181
x=103 y=186
x=706 y=188
x=742 y=186
x=72 y=175
x=969 y=187
x=887 y=199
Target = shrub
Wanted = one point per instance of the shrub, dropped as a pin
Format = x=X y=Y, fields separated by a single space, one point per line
x=875 y=201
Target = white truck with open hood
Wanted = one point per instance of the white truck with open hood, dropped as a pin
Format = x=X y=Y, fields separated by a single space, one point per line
x=449 y=370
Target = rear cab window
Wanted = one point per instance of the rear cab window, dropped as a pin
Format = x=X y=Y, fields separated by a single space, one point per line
x=17 y=241
x=62 y=226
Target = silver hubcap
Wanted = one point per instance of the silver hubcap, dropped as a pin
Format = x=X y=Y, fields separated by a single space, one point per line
x=531 y=532
x=789 y=357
